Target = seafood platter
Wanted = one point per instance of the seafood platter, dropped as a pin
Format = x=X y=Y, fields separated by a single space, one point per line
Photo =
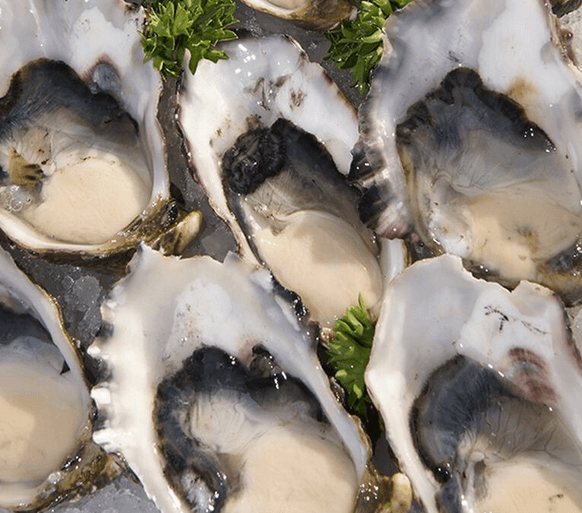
x=175 y=256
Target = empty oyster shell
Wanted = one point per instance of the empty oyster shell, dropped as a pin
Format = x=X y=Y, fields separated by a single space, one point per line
x=473 y=146
x=215 y=396
x=479 y=390
x=270 y=138
x=81 y=151
x=46 y=452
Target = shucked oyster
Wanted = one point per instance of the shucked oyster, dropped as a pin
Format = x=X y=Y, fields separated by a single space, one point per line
x=270 y=137
x=46 y=452
x=479 y=390
x=215 y=397
x=473 y=145
x=81 y=152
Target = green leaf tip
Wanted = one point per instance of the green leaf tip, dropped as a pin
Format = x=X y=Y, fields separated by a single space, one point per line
x=357 y=44
x=175 y=26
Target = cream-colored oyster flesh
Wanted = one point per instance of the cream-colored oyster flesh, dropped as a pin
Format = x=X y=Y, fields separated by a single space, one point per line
x=81 y=150
x=471 y=133
x=270 y=138
x=212 y=383
x=479 y=388
x=44 y=399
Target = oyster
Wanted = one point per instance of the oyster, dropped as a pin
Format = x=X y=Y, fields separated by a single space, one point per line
x=472 y=146
x=81 y=151
x=315 y=14
x=219 y=402
x=46 y=452
x=479 y=390
x=270 y=138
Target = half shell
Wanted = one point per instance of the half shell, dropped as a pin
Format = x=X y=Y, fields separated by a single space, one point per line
x=46 y=452
x=275 y=119
x=208 y=373
x=479 y=389
x=81 y=150
x=470 y=139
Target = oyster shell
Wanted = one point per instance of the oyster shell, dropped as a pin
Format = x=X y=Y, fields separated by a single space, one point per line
x=218 y=369
x=81 y=151
x=268 y=133
x=472 y=146
x=479 y=390
x=46 y=452
x=571 y=35
x=315 y=14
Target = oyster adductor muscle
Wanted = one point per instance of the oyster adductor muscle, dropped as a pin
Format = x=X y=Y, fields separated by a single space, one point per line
x=487 y=183
x=473 y=147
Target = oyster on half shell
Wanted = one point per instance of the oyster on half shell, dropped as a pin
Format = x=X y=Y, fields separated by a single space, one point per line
x=46 y=451
x=473 y=144
x=215 y=397
x=81 y=152
x=270 y=138
x=479 y=389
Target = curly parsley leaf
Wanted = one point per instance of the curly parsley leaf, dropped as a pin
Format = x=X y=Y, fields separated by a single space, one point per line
x=349 y=354
x=175 y=26
x=357 y=44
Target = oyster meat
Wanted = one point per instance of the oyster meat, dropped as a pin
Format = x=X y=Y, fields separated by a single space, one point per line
x=215 y=397
x=472 y=145
x=479 y=390
x=81 y=152
x=270 y=138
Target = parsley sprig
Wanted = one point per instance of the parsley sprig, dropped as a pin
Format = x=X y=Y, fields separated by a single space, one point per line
x=175 y=26
x=357 y=44
x=349 y=354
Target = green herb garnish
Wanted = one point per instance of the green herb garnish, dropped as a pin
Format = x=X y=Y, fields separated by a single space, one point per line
x=349 y=354
x=357 y=44
x=175 y=26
